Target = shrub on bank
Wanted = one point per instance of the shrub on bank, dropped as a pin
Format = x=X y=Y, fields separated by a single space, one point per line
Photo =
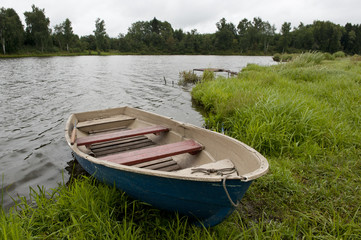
x=188 y=77
x=339 y=54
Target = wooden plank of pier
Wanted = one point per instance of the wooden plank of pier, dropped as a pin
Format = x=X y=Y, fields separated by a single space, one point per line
x=215 y=70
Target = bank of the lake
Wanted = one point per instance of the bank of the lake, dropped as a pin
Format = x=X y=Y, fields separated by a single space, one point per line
x=304 y=116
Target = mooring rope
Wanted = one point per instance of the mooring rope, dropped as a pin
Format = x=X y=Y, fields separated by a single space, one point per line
x=209 y=171
x=226 y=172
x=225 y=189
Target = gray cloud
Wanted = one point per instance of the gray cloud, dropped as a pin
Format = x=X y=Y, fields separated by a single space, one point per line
x=188 y=14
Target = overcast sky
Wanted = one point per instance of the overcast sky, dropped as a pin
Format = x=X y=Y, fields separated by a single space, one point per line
x=187 y=14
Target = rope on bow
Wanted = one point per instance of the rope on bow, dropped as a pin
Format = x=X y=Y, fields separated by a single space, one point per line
x=229 y=197
x=209 y=171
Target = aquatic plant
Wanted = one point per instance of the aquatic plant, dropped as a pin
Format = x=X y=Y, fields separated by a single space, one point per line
x=188 y=77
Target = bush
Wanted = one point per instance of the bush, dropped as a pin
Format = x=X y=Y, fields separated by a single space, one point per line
x=329 y=56
x=356 y=58
x=339 y=54
x=188 y=77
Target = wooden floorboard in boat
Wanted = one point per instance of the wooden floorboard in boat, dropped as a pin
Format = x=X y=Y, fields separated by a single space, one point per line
x=164 y=164
x=118 y=142
x=121 y=148
x=132 y=143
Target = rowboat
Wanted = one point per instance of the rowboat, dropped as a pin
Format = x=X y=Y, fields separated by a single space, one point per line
x=171 y=165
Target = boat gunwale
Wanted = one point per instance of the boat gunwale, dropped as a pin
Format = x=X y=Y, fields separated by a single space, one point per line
x=260 y=171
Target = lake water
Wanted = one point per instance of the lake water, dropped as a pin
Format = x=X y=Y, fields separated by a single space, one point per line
x=38 y=94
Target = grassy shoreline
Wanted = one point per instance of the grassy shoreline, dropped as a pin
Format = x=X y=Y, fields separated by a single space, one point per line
x=304 y=116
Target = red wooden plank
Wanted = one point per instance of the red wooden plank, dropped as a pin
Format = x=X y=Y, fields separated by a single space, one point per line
x=121 y=134
x=153 y=153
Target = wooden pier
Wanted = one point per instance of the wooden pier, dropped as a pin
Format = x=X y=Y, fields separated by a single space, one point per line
x=215 y=70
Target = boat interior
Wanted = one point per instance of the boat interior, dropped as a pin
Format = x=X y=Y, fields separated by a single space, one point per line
x=132 y=137
x=133 y=142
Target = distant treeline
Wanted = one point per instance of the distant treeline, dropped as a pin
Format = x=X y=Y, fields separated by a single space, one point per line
x=248 y=37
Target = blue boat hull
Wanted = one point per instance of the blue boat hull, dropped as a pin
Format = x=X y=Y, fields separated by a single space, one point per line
x=206 y=202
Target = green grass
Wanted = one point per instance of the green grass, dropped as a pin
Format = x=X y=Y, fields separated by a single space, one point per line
x=305 y=117
x=91 y=210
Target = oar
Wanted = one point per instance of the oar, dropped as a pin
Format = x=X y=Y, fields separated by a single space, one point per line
x=73 y=134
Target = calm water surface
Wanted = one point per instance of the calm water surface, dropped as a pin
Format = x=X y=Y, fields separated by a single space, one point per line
x=38 y=94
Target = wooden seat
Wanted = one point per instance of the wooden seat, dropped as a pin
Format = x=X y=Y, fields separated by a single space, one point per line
x=120 y=134
x=113 y=119
x=153 y=153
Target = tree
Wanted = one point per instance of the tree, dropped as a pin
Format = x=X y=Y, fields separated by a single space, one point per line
x=63 y=33
x=152 y=36
x=268 y=32
x=89 y=42
x=137 y=35
x=225 y=35
x=58 y=35
x=179 y=35
x=244 y=40
x=11 y=30
x=254 y=32
x=259 y=34
x=327 y=36
x=285 y=37
x=37 y=30
x=191 y=42
x=303 y=37
x=122 y=44
x=351 y=39
x=68 y=33
x=167 y=41
x=207 y=43
x=100 y=35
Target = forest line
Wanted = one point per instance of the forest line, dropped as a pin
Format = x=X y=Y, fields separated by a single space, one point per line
x=248 y=37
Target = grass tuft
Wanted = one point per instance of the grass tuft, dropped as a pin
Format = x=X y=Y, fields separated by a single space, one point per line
x=188 y=77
